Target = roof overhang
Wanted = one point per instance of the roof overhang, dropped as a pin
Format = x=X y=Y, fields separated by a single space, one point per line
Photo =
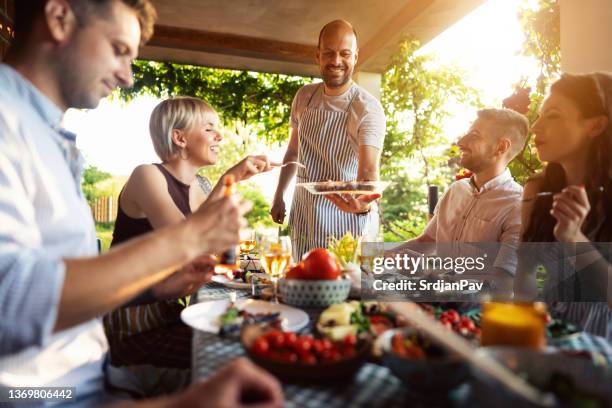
x=281 y=36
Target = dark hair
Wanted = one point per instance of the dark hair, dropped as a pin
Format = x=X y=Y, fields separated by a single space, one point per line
x=332 y=23
x=27 y=11
x=592 y=94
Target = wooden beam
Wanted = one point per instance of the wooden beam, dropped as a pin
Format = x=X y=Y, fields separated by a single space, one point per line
x=392 y=28
x=231 y=44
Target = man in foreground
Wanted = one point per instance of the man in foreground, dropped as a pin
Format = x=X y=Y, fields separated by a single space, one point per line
x=52 y=285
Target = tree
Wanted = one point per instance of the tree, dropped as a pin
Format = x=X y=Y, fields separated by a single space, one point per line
x=92 y=176
x=416 y=96
x=258 y=100
x=541 y=25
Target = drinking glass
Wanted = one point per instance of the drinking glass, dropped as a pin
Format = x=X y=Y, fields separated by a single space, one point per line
x=275 y=256
x=519 y=324
x=247 y=242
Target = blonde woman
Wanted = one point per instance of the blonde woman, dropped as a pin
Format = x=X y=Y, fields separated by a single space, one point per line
x=147 y=334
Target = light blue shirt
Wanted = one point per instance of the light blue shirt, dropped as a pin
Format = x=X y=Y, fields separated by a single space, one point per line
x=43 y=219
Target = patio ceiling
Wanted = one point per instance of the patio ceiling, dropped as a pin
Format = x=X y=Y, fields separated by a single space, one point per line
x=281 y=36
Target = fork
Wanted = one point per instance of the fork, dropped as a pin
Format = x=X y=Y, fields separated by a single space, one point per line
x=291 y=162
x=550 y=193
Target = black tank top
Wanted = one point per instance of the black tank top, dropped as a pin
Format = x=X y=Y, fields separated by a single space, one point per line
x=127 y=227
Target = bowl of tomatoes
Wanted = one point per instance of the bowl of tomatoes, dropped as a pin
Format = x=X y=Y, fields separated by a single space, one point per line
x=419 y=362
x=315 y=282
x=290 y=356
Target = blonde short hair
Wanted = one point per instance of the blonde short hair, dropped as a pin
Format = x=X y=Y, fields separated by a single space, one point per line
x=510 y=124
x=180 y=113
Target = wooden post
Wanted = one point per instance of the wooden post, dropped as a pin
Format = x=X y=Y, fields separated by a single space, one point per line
x=7 y=10
x=109 y=212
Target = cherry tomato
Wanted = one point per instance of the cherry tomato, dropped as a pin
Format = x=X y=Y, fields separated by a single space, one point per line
x=307 y=358
x=327 y=345
x=335 y=355
x=276 y=339
x=317 y=346
x=303 y=344
x=452 y=315
x=350 y=340
x=331 y=356
x=348 y=352
x=274 y=355
x=289 y=357
x=261 y=346
x=447 y=324
x=379 y=324
x=466 y=323
x=290 y=339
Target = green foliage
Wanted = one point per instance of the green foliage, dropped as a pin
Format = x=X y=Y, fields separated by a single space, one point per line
x=416 y=96
x=259 y=217
x=104 y=232
x=92 y=176
x=259 y=100
x=541 y=25
x=542 y=28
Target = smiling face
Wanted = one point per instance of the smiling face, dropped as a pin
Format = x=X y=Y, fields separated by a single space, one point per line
x=97 y=58
x=202 y=140
x=337 y=55
x=478 y=146
x=561 y=132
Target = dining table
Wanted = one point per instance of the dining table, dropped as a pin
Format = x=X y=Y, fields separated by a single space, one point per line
x=372 y=386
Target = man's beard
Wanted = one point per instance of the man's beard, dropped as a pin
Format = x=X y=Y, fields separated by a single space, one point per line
x=333 y=81
x=474 y=164
x=76 y=89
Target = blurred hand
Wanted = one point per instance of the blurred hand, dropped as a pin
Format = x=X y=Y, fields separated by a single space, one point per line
x=216 y=225
x=570 y=208
x=278 y=211
x=186 y=280
x=238 y=384
x=353 y=204
x=250 y=166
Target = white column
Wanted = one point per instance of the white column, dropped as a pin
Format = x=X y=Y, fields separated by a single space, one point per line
x=586 y=34
x=370 y=81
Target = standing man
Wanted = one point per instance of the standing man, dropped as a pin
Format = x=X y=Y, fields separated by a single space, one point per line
x=337 y=132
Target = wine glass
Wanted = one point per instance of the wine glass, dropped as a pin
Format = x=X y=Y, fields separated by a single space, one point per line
x=247 y=242
x=275 y=256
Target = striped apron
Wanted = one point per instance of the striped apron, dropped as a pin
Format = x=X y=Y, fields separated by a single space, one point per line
x=325 y=149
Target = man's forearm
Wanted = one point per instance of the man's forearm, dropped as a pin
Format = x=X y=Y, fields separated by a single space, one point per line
x=287 y=173
x=94 y=286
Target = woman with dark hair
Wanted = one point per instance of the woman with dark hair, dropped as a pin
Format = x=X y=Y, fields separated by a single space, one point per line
x=573 y=135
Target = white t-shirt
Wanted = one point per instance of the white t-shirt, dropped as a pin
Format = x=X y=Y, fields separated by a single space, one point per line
x=366 y=118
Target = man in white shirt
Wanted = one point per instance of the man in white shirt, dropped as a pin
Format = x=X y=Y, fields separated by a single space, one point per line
x=485 y=208
x=53 y=287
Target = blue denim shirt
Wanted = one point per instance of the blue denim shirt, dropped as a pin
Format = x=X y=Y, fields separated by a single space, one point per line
x=43 y=219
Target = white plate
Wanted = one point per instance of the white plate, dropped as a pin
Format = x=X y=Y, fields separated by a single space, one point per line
x=225 y=281
x=344 y=187
x=205 y=316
